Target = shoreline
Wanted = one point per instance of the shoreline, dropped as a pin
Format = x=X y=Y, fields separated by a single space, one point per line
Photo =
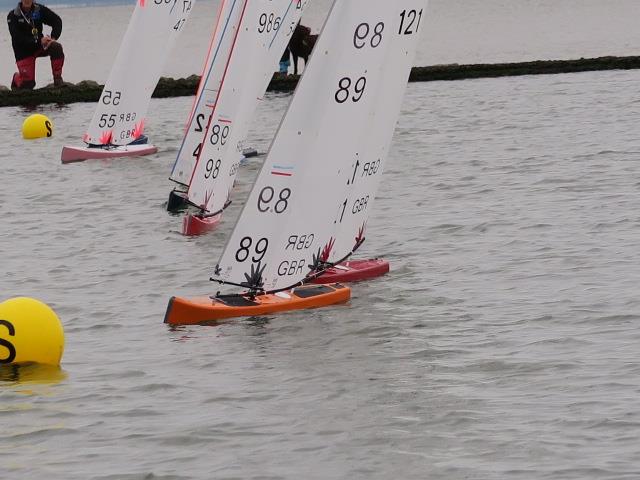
x=89 y=91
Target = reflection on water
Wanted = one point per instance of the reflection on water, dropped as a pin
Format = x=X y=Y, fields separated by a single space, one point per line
x=30 y=374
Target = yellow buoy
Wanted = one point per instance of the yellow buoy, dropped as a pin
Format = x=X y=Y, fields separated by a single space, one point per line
x=36 y=126
x=29 y=332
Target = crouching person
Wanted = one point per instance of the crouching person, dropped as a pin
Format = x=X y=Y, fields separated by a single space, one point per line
x=29 y=42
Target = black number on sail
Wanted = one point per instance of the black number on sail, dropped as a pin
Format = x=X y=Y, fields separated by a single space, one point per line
x=362 y=32
x=107 y=120
x=219 y=134
x=409 y=17
x=111 y=98
x=267 y=194
x=344 y=89
x=212 y=169
x=244 y=252
x=196 y=152
x=341 y=210
x=199 y=119
x=268 y=23
x=178 y=25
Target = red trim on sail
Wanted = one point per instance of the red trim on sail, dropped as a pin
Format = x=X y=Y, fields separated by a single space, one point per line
x=224 y=76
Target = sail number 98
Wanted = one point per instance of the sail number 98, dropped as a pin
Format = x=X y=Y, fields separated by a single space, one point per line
x=244 y=251
x=212 y=169
x=268 y=194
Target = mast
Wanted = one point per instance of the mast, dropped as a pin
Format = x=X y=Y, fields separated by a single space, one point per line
x=303 y=190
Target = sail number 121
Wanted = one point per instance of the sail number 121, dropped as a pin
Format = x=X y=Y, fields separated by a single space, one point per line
x=408 y=18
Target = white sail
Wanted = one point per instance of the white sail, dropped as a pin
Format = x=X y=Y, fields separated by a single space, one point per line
x=300 y=193
x=222 y=40
x=362 y=178
x=265 y=29
x=119 y=118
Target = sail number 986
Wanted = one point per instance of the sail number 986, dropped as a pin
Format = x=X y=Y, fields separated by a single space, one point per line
x=268 y=23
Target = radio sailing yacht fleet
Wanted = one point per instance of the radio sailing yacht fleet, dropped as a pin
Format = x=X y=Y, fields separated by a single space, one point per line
x=309 y=202
x=117 y=127
x=246 y=47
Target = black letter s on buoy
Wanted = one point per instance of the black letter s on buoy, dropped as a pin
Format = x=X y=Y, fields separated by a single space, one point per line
x=47 y=124
x=6 y=344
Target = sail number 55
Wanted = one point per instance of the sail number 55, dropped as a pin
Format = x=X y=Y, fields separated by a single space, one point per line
x=110 y=97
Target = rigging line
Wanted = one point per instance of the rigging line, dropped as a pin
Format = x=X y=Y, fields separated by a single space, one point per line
x=209 y=215
x=224 y=76
x=202 y=79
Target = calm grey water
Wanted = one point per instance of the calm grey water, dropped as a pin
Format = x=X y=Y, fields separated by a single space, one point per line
x=503 y=344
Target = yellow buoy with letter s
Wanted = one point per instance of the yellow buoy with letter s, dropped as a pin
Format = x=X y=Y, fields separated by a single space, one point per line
x=37 y=126
x=30 y=332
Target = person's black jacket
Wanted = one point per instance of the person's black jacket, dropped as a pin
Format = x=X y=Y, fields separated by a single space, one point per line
x=22 y=39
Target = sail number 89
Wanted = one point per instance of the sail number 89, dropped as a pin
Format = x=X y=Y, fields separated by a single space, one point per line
x=268 y=194
x=344 y=89
x=244 y=251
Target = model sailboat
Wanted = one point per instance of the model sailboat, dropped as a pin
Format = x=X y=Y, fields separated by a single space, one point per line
x=118 y=123
x=310 y=177
x=249 y=42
